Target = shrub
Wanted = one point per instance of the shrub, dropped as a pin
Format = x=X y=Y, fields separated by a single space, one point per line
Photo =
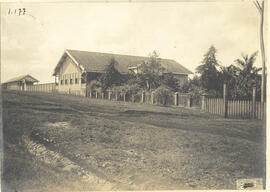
x=94 y=86
x=128 y=89
x=163 y=93
x=111 y=77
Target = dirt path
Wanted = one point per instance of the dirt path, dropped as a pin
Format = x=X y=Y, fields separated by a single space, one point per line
x=56 y=160
x=87 y=144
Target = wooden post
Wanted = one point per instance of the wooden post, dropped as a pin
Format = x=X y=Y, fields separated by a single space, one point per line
x=143 y=97
x=132 y=98
x=225 y=100
x=102 y=95
x=96 y=94
x=109 y=95
x=189 y=101
x=116 y=96
x=254 y=103
x=25 y=86
x=152 y=97
x=124 y=97
x=176 y=98
x=203 y=100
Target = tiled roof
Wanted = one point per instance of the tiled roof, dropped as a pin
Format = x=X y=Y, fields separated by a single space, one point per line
x=97 y=62
x=28 y=78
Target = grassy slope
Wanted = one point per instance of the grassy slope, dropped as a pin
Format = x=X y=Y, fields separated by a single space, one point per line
x=132 y=145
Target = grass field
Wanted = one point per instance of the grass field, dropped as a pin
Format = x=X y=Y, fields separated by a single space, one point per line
x=64 y=143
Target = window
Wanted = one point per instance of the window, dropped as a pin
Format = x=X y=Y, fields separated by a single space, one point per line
x=66 y=81
x=61 y=81
x=70 y=81
x=76 y=80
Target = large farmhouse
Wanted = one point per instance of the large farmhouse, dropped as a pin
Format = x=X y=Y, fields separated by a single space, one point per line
x=76 y=69
x=20 y=83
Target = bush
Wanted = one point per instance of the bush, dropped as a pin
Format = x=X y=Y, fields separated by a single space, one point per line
x=130 y=90
x=163 y=93
x=111 y=77
x=94 y=86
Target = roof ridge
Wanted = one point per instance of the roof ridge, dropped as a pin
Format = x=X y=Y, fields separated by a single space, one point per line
x=96 y=61
x=106 y=53
x=19 y=77
x=116 y=54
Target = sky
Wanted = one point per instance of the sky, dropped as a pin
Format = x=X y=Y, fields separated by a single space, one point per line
x=183 y=31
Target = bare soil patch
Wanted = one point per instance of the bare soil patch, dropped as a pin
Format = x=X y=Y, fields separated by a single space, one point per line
x=127 y=146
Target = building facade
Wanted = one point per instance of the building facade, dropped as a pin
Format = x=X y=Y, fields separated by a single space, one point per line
x=69 y=78
x=76 y=69
x=20 y=83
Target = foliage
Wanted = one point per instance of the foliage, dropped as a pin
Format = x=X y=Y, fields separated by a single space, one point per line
x=163 y=93
x=150 y=72
x=193 y=87
x=94 y=86
x=169 y=80
x=240 y=77
x=248 y=76
x=208 y=70
x=111 y=76
x=131 y=89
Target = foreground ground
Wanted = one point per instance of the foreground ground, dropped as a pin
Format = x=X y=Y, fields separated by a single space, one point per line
x=63 y=143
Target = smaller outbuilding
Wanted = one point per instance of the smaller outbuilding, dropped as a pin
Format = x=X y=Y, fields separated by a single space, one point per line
x=20 y=83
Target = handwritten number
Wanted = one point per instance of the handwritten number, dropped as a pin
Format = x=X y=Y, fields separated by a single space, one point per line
x=20 y=11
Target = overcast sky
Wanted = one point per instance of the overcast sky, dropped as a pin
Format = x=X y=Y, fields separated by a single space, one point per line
x=183 y=31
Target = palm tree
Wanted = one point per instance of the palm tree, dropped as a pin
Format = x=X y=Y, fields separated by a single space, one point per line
x=248 y=76
x=246 y=64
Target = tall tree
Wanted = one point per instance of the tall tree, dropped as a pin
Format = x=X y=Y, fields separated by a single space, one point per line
x=111 y=76
x=170 y=81
x=150 y=71
x=229 y=76
x=260 y=8
x=248 y=76
x=208 y=71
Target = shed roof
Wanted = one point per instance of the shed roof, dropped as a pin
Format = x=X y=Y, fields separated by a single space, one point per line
x=27 y=78
x=97 y=62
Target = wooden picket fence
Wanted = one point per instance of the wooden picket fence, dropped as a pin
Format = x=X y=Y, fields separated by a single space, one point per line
x=245 y=109
x=46 y=87
x=214 y=106
x=176 y=99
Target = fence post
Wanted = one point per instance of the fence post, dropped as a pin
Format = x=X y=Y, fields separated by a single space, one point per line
x=152 y=97
x=254 y=102
x=225 y=100
x=176 y=99
x=25 y=86
x=109 y=95
x=124 y=97
x=189 y=104
x=96 y=94
x=143 y=97
x=132 y=98
x=203 y=104
x=116 y=95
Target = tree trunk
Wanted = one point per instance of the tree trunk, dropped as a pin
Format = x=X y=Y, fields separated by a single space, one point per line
x=263 y=85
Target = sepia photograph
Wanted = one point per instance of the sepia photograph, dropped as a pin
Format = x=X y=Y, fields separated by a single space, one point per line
x=132 y=95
